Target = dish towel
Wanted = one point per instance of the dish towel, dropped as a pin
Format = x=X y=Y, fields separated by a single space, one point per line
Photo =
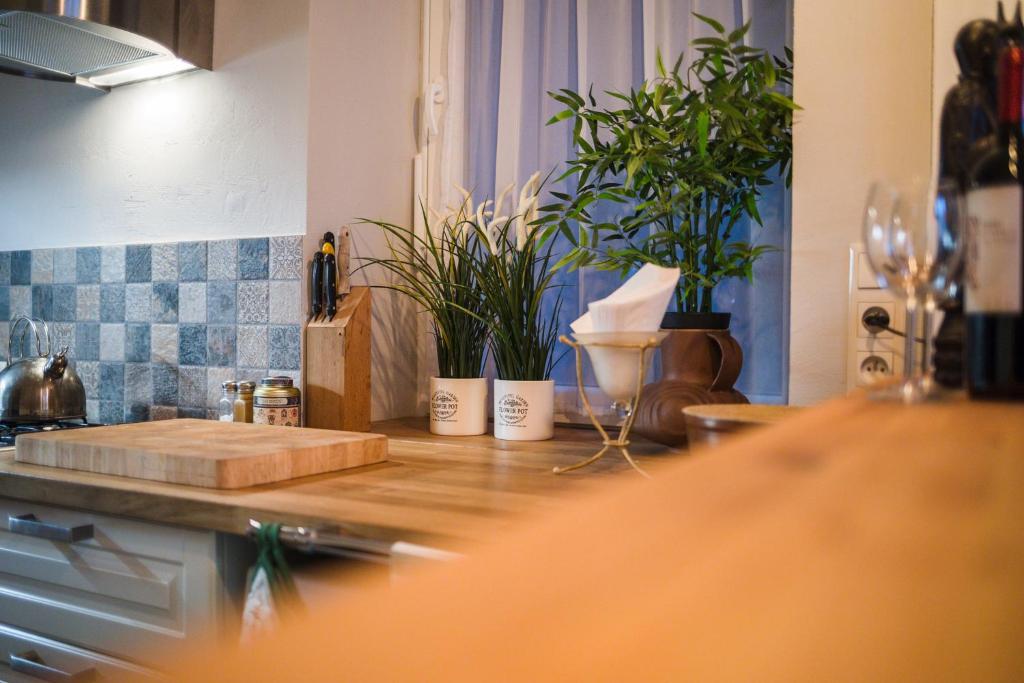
x=270 y=590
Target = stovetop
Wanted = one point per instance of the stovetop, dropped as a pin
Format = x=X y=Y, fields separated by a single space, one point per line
x=9 y=432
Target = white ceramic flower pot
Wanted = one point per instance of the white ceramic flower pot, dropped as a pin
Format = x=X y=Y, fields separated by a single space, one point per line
x=458 y=407
x=524 y=410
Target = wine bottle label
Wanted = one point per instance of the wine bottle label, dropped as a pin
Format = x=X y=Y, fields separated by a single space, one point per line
x=992 y=264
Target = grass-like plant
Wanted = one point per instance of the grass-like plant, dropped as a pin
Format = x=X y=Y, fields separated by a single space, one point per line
x=683 y=159
x=515 y=274
x=440 y=272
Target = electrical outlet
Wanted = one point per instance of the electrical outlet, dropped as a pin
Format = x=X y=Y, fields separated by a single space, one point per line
x=884 y=348
x=873 y=366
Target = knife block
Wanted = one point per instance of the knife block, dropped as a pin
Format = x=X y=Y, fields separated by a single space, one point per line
x=337 y=362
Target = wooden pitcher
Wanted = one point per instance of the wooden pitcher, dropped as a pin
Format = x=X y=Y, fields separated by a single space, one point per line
x=698 y=366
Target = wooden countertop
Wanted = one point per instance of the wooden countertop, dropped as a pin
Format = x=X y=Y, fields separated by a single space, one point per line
x=444 y=490
x=857 y=541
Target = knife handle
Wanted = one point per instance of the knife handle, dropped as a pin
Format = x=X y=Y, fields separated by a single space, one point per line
x=344 y=249
x=316 y=279
x=330 y=286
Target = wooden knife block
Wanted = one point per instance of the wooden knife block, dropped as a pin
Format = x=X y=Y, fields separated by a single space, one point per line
x=337 y=362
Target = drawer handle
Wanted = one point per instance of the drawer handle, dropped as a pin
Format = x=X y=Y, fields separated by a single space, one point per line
x=29 y=525
x=31 y=664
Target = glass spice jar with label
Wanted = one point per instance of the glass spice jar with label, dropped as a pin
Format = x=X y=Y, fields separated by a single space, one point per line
x=277 y=402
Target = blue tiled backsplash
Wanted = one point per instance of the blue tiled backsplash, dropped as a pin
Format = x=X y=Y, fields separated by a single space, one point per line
x=153 y=329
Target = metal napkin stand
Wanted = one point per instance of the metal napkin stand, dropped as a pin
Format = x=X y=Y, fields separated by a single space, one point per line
x=622 y=442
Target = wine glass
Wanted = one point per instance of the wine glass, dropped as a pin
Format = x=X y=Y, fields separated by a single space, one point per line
x=914 y=242
x=881 y=213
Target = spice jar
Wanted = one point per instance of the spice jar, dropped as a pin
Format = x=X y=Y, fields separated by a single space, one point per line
x=243 y=402
x=226 y=404
x=277 y=402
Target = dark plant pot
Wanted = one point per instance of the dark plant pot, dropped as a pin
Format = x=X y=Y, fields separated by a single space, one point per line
x=700 y=361
x=695 y=321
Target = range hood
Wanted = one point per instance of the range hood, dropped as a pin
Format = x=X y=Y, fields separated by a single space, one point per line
x=105 y=43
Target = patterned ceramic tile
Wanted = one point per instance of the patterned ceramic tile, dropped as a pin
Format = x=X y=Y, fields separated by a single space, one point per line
x=63 y=336
x=112 y=303
x=64 y=268
x=87 y=341
x=87 y=265
x=5 y=335
x=112 y=341
x=222 y=260
x=192 y=413
x=252 y=374
x=89 y=372
x=21 y=268
x=92 y=410
x=252 y=346
x=112 y=382
x=5 y=268
x=165 y=302
x=5 y=303
x=284 y=347
x=138 y=383
x=220 y=302
x=42 y=266
x=295 y=375
x=87 y=306
x=111 y=412
x=21 y=301
x=214 y=378
x=138 y=302
x=164 y=344
x=42 y=301
x=192 y=302
x=162 y=412
x=137 y=338
x=65 y=303
x=165 y=262
x=220 y=345
x=192 y=344
x=253 y=302
x=253 y=259
x=286 y=257
x=112 y=264
x=138 y=263
x=165 y=384
x=192 y=387
x=286 y=302
x=192 y=261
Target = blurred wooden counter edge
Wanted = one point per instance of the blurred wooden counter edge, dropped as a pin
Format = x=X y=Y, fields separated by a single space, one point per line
x=857 y=541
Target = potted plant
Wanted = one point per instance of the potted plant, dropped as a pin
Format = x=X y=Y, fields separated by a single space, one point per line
x=514 y=274
x=683 y=160
x=439 y=272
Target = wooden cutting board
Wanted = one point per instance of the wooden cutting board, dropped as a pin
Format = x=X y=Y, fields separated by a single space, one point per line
x=222 y=455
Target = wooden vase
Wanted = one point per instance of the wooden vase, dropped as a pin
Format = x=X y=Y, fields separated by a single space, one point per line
x=698 y=366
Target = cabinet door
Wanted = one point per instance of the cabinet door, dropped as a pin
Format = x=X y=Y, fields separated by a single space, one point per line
x=106 y=584
x=28 y=657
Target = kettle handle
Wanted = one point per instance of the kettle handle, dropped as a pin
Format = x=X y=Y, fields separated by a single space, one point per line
x=35 y=333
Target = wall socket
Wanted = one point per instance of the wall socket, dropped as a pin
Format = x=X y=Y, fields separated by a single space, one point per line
x=870 y=356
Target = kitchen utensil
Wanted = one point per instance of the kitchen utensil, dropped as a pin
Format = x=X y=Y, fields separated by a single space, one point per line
x=40 y=388
x=344 y=256
x=330 y=282
x=316 y=289
x=207 y=453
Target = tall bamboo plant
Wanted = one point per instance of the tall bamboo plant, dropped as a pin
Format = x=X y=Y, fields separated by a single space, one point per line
x=683 y=159
x=440 y=272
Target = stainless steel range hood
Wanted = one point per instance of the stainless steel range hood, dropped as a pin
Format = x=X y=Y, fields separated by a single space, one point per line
x=105 y=43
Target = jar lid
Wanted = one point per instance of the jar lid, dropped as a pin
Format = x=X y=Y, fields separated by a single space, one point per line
x=229 y=385
x=278 y=381
x=246 y=387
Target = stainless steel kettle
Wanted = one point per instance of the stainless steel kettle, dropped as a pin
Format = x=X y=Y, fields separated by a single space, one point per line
x=40 y=388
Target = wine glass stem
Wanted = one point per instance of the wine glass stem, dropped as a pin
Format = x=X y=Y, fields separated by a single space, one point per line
x=909 y=350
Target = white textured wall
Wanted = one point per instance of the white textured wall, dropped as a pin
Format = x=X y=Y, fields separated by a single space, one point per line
x=364 y=70
x=204 y=155
x=863 y=73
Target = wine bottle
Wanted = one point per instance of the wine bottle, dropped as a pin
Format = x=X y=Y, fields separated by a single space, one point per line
x=994 y=287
